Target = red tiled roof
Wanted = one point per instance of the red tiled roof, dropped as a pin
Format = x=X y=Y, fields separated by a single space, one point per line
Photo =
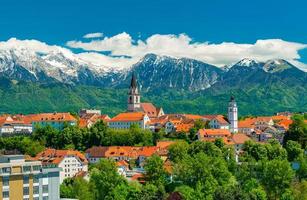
x=121 y=151
x=194 y=117
x=122 y=163
x=285 y=123
x=184 y=127
x=221 y=119
x=164 y=144
x=53 y=156
x=149 y=109
x=240 y=138
x=129 y=116
x=51 y=117
x=138 y=177
x=214 y=132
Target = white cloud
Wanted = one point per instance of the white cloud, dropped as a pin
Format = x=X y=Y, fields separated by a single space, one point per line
x=183 y=46
x=123 y=51
x=93 y=35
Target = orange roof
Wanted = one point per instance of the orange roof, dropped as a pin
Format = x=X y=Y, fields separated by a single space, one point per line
x=147 y=151
x=214 y=132
x=246 y=123
x=53 y=156
x=280 y=117
x=263 y=119
x=149 y=109
x=209 y=117
x=240 y=138
x=91 y=118
x=190 y=116
x=184 y=127
x=221 y=119
x=128 y=116
x=164 y=144
x=122 y=151
x=122 y=163
x=285 y=123
x=138 y=177
x=52 y=117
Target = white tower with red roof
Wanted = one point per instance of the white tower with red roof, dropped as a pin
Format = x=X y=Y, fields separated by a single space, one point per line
x=233 y=115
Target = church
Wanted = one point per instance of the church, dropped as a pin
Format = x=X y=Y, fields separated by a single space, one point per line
x=135 y=105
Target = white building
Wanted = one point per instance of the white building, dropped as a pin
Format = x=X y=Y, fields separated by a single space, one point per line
x=125 y=120
x=219 y=122
x=233 y=115
x=69 y=161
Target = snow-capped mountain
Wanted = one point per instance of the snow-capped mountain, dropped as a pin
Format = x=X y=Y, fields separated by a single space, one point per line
x=61 y=66
x=156 y=71
x=153 y=71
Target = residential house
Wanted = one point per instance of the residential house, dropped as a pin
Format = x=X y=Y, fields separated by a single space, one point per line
x=14 y=125
x=211 y=135
x=88 y=120
x=219 y=122
x=55 y=120
x=125 y=120
x=69 y=161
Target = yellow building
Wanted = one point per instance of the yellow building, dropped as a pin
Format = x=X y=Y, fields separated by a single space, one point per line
x=27 y=180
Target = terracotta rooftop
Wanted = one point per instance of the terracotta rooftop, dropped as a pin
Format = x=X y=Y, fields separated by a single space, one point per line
x=52 y=117
x=149 y=109
x=53 y=156
x=129 y=116
x=214 y=132
x=240 y=138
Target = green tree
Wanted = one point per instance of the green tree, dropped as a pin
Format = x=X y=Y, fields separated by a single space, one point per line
x=155 y=172
x=104 y=178
x=178 y=150
x=294 y=150
x=277 y=177
x=297 y=131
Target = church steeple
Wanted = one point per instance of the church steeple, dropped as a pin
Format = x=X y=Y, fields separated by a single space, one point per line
x=134 y=98
x=233 y=115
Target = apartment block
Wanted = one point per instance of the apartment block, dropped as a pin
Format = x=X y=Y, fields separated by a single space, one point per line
x=22 y=179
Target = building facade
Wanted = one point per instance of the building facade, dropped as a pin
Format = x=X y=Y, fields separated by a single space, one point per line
x=27 y=180
x=125 y=120
x=70 y=162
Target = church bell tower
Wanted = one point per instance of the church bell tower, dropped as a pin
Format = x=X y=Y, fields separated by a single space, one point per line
x=134 y=98
x=233 y=115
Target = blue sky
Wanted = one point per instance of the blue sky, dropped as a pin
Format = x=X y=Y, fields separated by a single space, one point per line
x=214 y=21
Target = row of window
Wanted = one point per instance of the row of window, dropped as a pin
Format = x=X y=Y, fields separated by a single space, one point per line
x=6 y=194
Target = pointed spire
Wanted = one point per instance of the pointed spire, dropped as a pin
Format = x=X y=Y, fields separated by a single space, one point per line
x=133 y=83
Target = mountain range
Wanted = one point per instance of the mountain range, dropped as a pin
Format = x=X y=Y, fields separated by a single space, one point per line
x=178 y=84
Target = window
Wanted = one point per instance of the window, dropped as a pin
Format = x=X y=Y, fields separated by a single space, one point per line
x=6 y=170
x=45 y=188
x=35 y=178
x=36 y=190
x=5 y=181
x=36 y=167
x=5 y=194
x=25 y=179
x=45 y=198
x=26 y=168
x=26 y=191
x=36 y=198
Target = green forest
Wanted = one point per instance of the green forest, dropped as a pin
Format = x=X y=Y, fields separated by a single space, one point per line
x=25 y=97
